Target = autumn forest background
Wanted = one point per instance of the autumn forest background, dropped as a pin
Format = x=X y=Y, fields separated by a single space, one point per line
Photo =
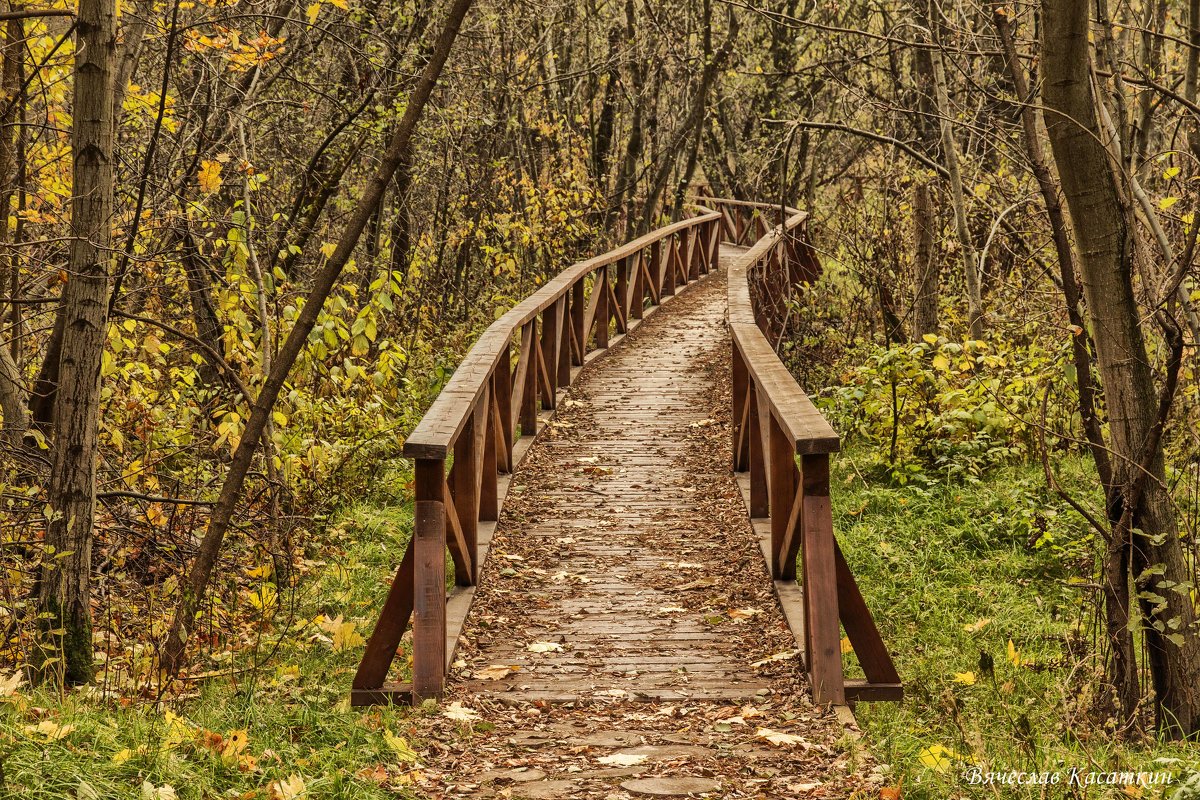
x=272 y=228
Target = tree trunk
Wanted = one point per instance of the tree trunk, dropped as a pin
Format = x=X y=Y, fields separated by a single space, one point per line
x=926 y=266
x=64 y=597
x=1104 y=233
x=193 y=589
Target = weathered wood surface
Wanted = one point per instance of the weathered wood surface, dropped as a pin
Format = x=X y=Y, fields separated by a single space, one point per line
x=623 y=541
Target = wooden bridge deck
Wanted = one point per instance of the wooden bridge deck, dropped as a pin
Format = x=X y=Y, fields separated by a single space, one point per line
x=646 y=488
x=623 y=556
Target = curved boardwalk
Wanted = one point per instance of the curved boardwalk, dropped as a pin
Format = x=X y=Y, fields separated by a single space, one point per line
x=626 y=587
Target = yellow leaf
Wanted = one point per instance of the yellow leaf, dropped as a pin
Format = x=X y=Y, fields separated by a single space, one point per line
x=50 y=729
x=1167 y=202
x=930 y=338
x=177 y=731
x=345 y=634
x=941 y=363
x=1170 y=172
x=121 y=756
x=290 y=789
x=846 y=646
x=778 y=738
x=235 y=744
x=312 y=12
x=399 y=746
x=965 y=678
x=496 y=671
x=10 y=684
x=937 y=757
x=981 y=190
x=342 y=4
x=209 y=176
x=976 y=626
x=1013 y=655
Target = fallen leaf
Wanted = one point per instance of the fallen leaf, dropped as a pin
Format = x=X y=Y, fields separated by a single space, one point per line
x=672 y=610
x=847 y=647
x=345 y=634
x=622 y=759
x=965 y=678
x=85 y=791
x=937 y=757
x=787 y=655
x=496 y=671
x=50 y=729
x=10 y=684
x=745 y=613
x=545 y=647
x=152 y=792
x=399 y=746
x=290 y=788
x=121 y=756
x=779 y=738
x=977 y=626
x=460 y=713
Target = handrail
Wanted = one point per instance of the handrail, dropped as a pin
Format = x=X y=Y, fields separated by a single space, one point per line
x=773 y=422
x=483 y=421
x=434 y=435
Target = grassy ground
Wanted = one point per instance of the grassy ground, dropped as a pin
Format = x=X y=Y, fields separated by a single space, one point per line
x=248 y=733
x=954 y=573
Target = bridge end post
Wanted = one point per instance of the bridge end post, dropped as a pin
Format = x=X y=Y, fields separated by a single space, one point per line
x=429 y=581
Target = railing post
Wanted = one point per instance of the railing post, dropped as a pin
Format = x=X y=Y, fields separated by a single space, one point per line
x=489 y=489
x=739 y=419
x=782 y=487
x=429 y=580
x=759 y=504
x=622 y=292
x=671 y=267
x=820 y=584
x=564 y=341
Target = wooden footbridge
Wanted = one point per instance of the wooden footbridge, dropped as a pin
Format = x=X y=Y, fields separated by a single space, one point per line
x=574 y=443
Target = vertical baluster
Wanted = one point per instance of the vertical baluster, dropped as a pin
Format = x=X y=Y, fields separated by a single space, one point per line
x=464 y=488
x=429 y=581
x=656 y=271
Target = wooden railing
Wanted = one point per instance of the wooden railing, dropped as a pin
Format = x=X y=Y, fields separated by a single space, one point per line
x=774 y=422
x=483 y=422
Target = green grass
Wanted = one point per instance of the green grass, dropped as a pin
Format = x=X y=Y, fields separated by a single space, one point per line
x=934 y=559
x=294 y=710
